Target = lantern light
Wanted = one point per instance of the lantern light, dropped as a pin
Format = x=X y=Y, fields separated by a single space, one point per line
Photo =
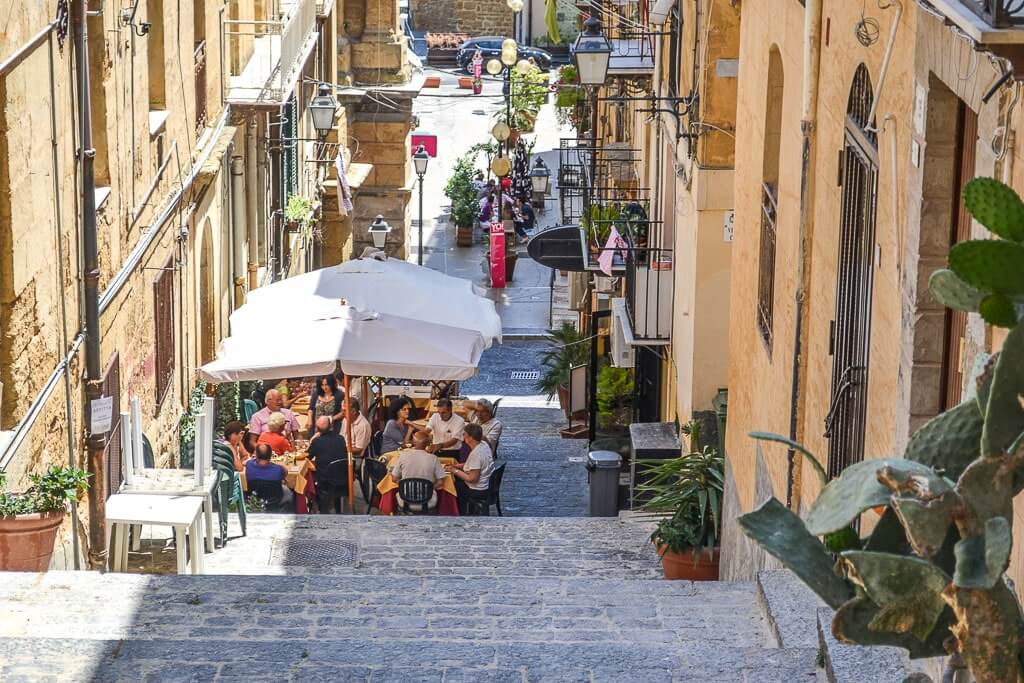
x=494 y=67
x=379 y=230
x=322 y=109
x=592 y=53
x=420 y=159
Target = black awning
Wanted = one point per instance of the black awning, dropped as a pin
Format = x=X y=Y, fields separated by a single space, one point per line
x=558 y=248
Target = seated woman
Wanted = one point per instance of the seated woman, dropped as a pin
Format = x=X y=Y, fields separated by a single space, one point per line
x=233 y=433
x=248 y=445
x=397 y=431
x=274 y=436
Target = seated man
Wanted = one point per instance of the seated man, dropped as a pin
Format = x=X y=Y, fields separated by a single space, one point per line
x=361 y=429
x=275 y=437
x=331 y=480
x=418 y=463
x=473 y=477
x=483 y=415
x=274 y=404
x=445 y=430
x=261 y=469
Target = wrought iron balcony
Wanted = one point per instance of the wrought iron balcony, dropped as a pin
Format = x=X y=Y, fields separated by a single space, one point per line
x=998 y=13
x=265 y=57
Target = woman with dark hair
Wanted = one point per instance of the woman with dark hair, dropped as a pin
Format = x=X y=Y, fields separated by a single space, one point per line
x=248 y=445
x=233 y=433
x=398 y=431
x=326 y=401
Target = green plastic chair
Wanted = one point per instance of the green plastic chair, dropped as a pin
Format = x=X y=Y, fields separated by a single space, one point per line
x=229 y=489
x=249 y=408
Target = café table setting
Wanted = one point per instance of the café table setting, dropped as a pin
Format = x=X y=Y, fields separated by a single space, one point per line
x=447 y=497
x=299 y=477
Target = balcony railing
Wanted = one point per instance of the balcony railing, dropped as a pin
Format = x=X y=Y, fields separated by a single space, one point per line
x=270 y=54
x=595 y=176
x=998 y=13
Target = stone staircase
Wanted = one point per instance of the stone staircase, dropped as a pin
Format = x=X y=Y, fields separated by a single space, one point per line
x=399 y=599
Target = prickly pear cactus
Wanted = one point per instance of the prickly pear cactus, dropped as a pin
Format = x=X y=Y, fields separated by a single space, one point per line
x=931 y=577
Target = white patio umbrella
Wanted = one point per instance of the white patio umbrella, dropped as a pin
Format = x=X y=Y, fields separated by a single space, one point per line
x=365 y=343
x=392 y=286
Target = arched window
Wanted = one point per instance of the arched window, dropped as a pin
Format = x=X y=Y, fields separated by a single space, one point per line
x=769 y=196
x=851 y=328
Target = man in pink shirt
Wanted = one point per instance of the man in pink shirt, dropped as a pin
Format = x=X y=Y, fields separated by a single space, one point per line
x=274 y=404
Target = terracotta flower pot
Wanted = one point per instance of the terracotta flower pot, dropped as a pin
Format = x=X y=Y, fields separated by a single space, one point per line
x=26 y=541
x=432 y=82
x=465 y=83
x=682 y=565
x=464 y=235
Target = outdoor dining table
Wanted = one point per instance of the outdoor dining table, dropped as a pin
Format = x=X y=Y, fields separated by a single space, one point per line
x=299 y=478
x=447 y=496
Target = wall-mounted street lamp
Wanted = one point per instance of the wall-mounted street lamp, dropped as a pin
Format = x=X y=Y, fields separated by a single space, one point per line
x=540 y=177
x=592 y=53
x=322 y=109
x=379 y=230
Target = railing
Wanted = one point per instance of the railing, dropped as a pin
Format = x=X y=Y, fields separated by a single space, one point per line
x=998 y=13
x=766 y=263
x=199 y=60
x=268 y=54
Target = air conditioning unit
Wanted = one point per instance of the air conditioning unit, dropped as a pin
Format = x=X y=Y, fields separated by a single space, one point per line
x=605 y=285
x=622 y=354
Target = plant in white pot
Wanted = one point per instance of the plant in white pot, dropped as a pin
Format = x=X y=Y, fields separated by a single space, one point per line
x=29 y=520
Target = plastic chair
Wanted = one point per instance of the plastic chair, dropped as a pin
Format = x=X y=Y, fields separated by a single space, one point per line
x=376 y=443
x=416 y=493
x=148 y=458
x=332 y=485
x=481 y=504
x=249 y=408
x=494 y=411
x=374 y=471
x=229 y=489
x=270 y=492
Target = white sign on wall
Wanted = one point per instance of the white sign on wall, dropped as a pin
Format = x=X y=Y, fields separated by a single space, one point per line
x=727 y=228
x=101 y=414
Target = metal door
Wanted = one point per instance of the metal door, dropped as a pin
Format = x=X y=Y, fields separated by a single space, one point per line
x=851 y=329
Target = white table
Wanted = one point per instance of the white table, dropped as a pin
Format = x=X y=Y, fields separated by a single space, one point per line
x=174 y=482
x=181 y=513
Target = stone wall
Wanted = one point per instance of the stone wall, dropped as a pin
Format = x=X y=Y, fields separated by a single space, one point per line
x=475 y=17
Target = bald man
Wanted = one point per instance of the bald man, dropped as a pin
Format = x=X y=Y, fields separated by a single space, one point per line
x=274 y=404
x=326 y=449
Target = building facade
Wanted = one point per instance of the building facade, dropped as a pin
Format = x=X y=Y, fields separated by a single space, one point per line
x=210 y=181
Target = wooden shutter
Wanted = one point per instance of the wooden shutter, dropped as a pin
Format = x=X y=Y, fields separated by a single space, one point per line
x=163 y=297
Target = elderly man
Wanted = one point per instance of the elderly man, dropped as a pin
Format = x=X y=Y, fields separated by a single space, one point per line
x=274 y=404
x=261 y=469
x=361 y=430
x=325 y=450
x=418 y=463
x=474 y=476
x=445 y=429
x=483 y=415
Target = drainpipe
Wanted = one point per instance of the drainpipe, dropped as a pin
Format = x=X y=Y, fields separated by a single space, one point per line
x=250 y=201
x=95 y=443
x=238 y=226
x=809 y=106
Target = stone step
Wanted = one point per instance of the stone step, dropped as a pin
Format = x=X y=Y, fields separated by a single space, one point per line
x=135 y=627
x=438 y=546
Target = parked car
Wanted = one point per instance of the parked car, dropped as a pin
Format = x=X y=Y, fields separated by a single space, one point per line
x=490 y=47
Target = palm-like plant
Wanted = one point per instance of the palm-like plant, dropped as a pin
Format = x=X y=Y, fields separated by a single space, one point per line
x=566 y=351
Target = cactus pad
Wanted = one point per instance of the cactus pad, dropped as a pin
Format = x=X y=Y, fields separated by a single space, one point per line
x=998 y=310
x=856 y=490
x=949 y=290
x=981 y=560
x=782 y=534
x=926 y=523
x=990 y=265
x=852 y=624
x=1004 y=417
x=949 y=441
x=996 y=206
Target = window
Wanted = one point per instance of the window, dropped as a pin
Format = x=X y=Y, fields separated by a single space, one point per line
x=199 y=62
x=112 y=453
x=675 y=35
x=155 y=46
x=769 y=198
x=163 y=314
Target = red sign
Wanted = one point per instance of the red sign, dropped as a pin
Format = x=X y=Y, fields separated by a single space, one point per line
x=428 y=140
x=497 y=255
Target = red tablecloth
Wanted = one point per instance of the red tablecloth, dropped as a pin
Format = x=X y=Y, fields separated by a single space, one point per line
x=447 y=504
x=302 y=500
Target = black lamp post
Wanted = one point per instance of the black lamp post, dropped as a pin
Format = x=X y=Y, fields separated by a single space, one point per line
x=420 y=159
x=591 y=53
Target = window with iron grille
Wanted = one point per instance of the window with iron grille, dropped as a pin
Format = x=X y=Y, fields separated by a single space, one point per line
x=112 y=453
x=675 y=36
x=163 y=298
x=846 y=420
x=199 y=61
x=769 y=199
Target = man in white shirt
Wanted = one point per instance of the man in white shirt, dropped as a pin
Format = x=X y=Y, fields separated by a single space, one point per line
x=474 y=476
x=361 y=430
x=418 y=463
x=445 y=429
x=274 y=404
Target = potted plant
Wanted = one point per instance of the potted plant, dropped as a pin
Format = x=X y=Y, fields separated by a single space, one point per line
x=615 y=389
x=29 y=521
x=565 y=352
x=478 y=85
x=462 y=193
x=688 y=489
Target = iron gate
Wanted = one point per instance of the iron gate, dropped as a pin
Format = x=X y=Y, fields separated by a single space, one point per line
x=851 y=329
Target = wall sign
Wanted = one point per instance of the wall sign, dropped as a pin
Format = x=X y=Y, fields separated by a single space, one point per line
x=727 y=227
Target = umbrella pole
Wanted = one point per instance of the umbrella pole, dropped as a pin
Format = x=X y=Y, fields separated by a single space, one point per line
x=348 y=439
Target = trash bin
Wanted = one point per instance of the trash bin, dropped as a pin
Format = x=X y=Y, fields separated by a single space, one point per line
x=603 y=472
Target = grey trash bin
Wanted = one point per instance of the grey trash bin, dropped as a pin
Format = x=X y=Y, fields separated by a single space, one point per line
x=603 y=472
